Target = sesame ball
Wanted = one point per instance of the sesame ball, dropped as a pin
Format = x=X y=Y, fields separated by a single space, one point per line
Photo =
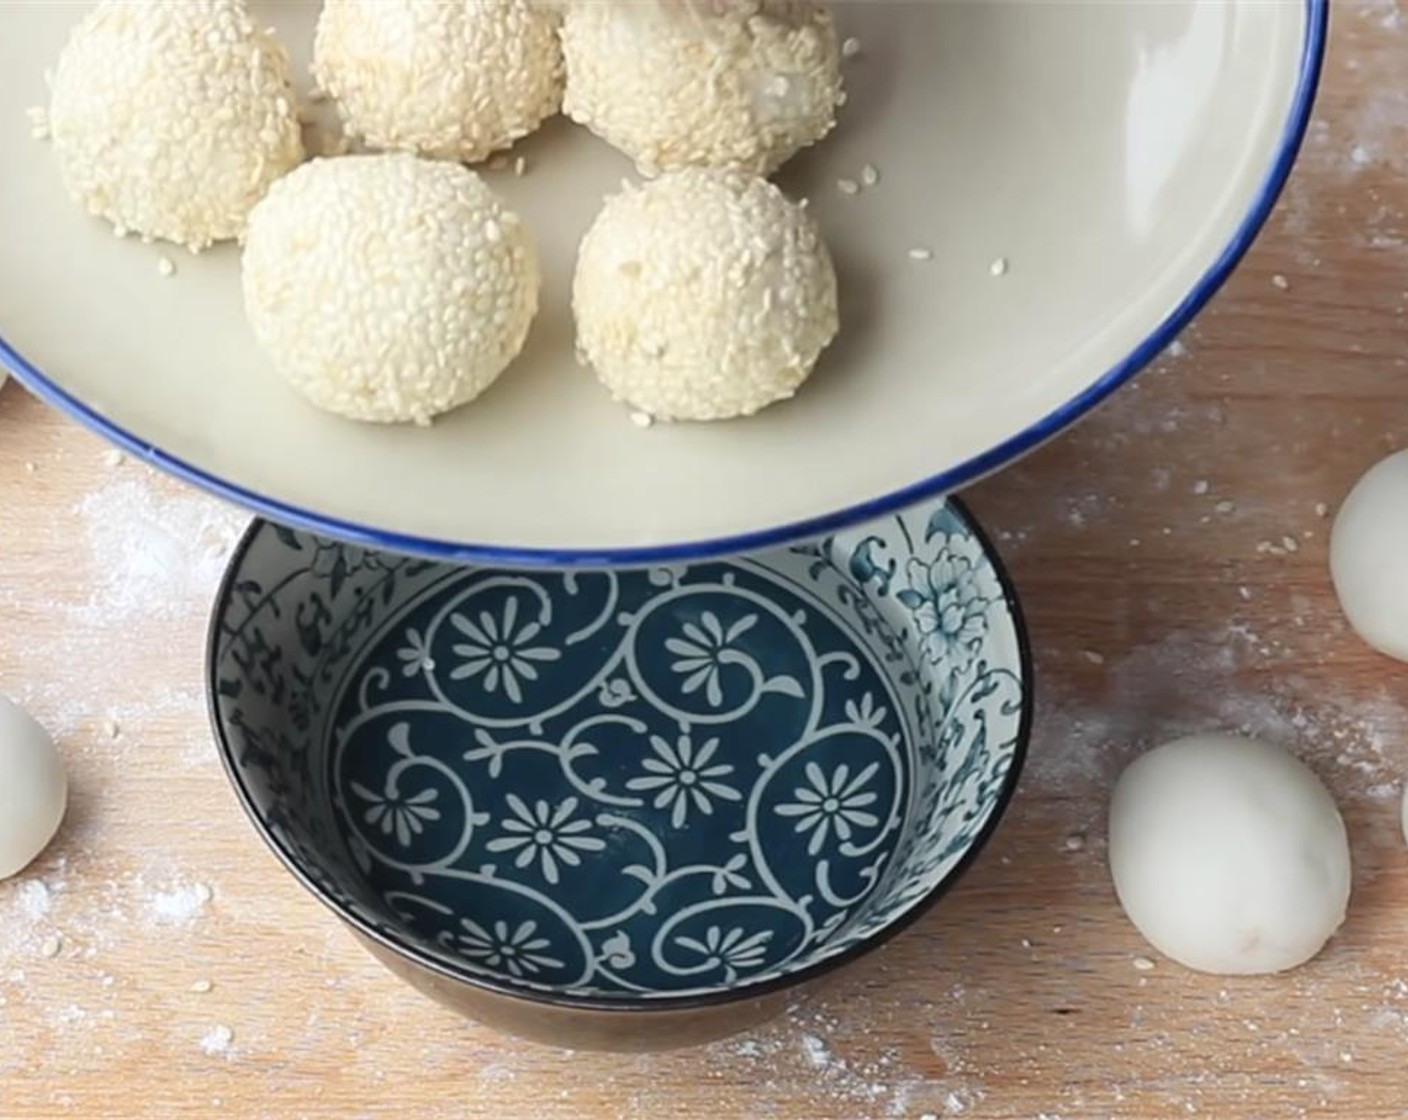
x=703 y=295
x=171 y=118
x=741 y=84
x=451 y=79
x=388 y=288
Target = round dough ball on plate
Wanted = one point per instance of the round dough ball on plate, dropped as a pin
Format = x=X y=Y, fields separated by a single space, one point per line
x=703 y=295
x=171 y=118
x=1228 y=855
x=742 y=84
x=452 y=79
x=33 y=789
x=388 y=288
x=1369 y=556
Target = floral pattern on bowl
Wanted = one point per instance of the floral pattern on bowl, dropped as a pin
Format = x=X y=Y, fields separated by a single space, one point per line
x=640 y=784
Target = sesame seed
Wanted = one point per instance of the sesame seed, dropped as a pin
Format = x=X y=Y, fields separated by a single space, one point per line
x=642 y=419
x=1225 y=506
x=1093 y=657
x=921 y=254
x=998 y=267
x=1143 y=964
x=869 y=175
x=166 y=266
x=1201 y=486
x=1321 y=509
x=114 y=458
x=111 y=729
x=1279 y=281
x=1074 y=842
x=200 y=987
x=520 y=165
x=848 y=186
x=1290 y=544
x=493 y=231
x=850 y=47
x=51 y=946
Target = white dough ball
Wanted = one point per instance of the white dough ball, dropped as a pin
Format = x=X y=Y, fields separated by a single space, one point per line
x=170 y=118
x=742 y=84
x=388 y=288
x=1369 y=556
x=1228 y=855
x=33 y=789
x=703 y=295
x=453 y=79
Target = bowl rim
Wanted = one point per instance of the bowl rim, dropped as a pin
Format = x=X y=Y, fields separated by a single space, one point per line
x=407 y=951
x=961 y=474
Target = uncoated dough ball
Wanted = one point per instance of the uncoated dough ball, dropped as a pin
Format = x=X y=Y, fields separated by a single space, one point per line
x=170 y=118
x=703 y=295
x=386 y=287
x=452 y=79
x=33 y=789
x=1228 y=855
x=741 y=84
x=1369 y=556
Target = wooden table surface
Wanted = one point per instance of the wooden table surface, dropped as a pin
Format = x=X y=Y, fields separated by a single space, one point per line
x=1171 y=555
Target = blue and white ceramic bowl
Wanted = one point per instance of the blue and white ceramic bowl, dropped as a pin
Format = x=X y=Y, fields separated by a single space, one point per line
x=625 y=808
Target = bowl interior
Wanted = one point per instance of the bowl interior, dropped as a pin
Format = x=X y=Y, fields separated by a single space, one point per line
x=646 y=783
x=1115 y=155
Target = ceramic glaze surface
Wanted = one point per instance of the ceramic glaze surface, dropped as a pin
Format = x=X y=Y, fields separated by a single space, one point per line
x=1118 y=157
x=644 y=784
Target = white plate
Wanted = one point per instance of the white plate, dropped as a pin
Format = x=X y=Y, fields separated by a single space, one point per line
x=1119 y=156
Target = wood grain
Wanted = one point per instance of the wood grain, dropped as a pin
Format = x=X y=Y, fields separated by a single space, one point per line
x=1149 y=547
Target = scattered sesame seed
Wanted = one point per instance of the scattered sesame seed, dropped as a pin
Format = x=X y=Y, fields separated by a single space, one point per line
x=111 y=729
x=1074 y=842
x=200 y=987
x=1279 y=281
x=203 y=893
x=30 y=468
x=998 y=267
x=642 y=419
x=520 y=165
x=1290 y=543
x=850 y=47
x=51 y=946
x=869 y=175
x=114 y=457
x=1225 y=506
x=1245 y=593
x=1093 y=657
x=166 y=266
x=848 y=186
x=921 y=254
x=1201 y=486
x=1321 y=509
x=1143 y=964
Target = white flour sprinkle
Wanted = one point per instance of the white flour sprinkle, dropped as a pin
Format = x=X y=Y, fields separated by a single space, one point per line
x=180 y=905
x=217 y=1040
x=816 y=1051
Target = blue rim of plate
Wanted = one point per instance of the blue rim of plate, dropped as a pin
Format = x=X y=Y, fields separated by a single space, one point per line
x=1014 y=447
x=406 y=950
